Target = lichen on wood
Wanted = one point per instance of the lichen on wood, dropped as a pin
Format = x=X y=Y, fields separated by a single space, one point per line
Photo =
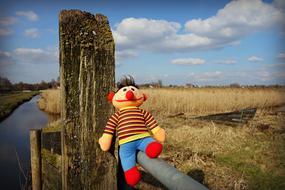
x=87 y=69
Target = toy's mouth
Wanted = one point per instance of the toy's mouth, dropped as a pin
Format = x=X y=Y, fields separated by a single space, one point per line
x=133 y=100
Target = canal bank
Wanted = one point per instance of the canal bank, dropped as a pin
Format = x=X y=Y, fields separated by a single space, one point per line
x=10 y=101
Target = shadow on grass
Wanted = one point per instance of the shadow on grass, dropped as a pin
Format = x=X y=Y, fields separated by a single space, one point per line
x=197 y=174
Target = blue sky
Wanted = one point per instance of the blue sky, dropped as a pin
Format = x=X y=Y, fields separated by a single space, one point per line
x=200 y=42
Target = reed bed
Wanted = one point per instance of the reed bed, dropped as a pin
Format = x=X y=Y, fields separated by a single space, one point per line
x=50 y=101
x=199 y=101
x=192 y=101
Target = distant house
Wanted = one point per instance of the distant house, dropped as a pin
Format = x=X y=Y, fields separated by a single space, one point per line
x=190 y=85
x=152 y=85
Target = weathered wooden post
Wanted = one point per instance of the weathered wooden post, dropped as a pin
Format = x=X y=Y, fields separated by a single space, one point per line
x=86 y=76
x=36 y=166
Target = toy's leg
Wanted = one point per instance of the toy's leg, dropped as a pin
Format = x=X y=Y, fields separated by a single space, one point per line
x=151 y=147
x=128 y=159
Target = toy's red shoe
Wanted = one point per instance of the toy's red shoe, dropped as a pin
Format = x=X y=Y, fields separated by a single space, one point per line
x=153 y=149
x=132 y=176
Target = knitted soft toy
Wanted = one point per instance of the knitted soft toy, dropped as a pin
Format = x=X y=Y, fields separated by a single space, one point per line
x=132 y=125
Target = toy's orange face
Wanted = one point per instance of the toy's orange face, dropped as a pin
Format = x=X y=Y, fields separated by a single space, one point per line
x=128 y=96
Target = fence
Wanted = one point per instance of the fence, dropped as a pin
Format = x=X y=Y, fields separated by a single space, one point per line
x=46 y=162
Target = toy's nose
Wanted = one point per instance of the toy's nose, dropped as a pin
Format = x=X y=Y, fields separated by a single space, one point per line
x=130 y=95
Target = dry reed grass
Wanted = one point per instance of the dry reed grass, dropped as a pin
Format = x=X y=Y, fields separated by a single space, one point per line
x=50 y=101
x=199 y=101
x=196 y=101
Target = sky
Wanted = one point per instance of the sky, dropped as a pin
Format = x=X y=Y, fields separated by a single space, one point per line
x=201 y=42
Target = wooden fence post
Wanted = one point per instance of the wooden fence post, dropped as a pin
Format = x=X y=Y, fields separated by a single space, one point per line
x=36 y=166
x=87 y=70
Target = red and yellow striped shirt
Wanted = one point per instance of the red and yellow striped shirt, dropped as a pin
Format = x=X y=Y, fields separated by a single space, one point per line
x=131 y=123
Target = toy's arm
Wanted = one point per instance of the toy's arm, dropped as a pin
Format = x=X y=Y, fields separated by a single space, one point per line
x=106 y=140
x=158 y=133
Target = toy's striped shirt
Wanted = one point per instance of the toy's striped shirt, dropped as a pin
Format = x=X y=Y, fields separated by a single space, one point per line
x=131 y=123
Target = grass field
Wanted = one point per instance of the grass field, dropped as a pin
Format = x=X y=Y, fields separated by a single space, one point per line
x=248 y=156
x=10 y=101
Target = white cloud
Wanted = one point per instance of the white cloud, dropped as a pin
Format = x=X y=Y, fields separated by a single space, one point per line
x=5 y=21
x=32 y=33
x=254 y=59
x=258 y=76
x=263 y=75
x=281 y=55
x=280 y=75
x=279 y=4
x=4 y=54
x=279 y=66
x=154 y=35
x=5 y=31
x=236 y=20
x=226 y=62
x=53 y=31
x=188 y=61
x=208 y=76
x=255 y=76
x=121 y=55
x=142 y=28
x=5 y=58
x=30 y=15
x=35 y=56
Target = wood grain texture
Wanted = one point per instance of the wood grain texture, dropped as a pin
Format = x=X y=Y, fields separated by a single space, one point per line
x=87 y=69
x=35 y=146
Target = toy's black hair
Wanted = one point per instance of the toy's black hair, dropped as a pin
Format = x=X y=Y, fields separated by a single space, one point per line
x=126 y=81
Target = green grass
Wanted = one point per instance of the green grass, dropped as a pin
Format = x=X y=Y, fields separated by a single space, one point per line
x=262 y=166
x=8 y=102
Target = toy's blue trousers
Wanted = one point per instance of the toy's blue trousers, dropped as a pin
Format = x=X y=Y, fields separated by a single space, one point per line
x=128 y=151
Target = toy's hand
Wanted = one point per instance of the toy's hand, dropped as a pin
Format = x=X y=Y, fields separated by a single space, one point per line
x=159 y=135
x=105 y=142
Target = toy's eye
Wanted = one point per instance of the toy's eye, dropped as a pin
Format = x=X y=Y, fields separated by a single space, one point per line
x=132 y=89
x=124 y=89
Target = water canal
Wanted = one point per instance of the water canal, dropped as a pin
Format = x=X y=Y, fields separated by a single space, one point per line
x=14 y=137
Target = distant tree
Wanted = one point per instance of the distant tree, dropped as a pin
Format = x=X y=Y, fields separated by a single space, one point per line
x=52 y=84
x=43 y=85
x=5 y=84
x=235 y=85
x=20 y=85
